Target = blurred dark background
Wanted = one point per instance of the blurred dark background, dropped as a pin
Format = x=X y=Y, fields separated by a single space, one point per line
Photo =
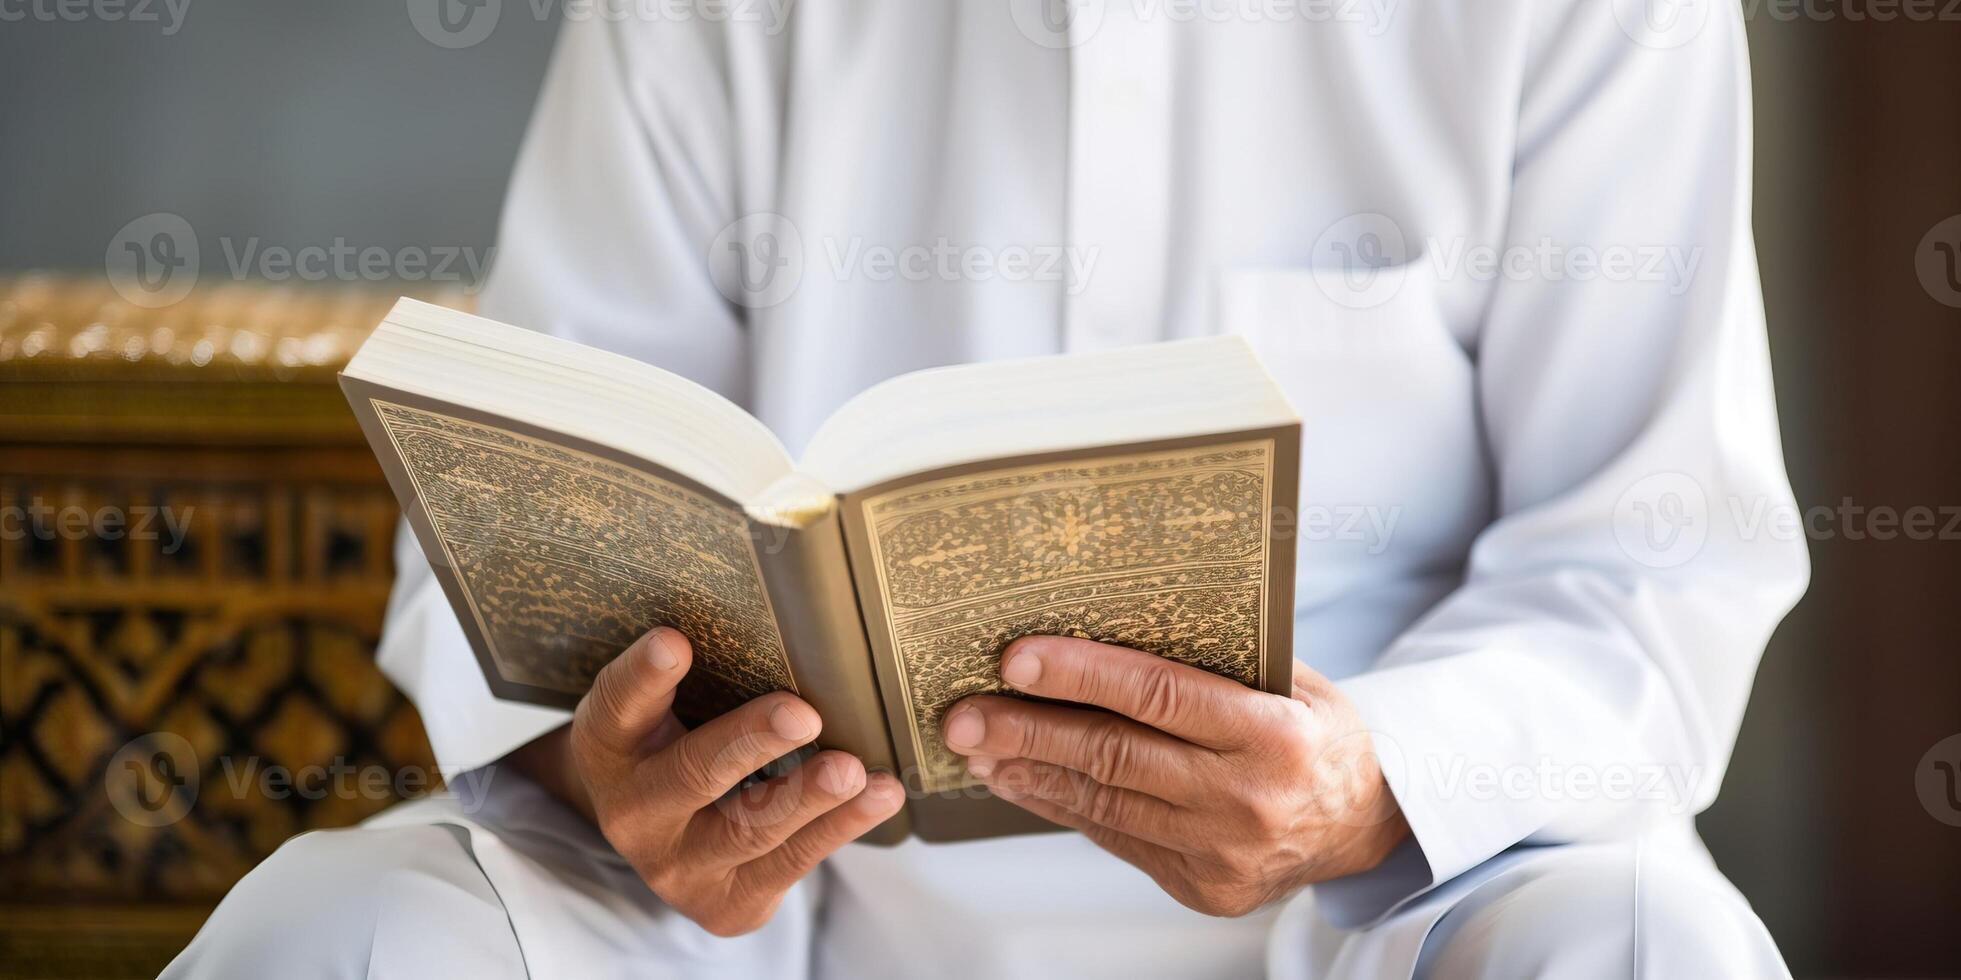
x=303 y=124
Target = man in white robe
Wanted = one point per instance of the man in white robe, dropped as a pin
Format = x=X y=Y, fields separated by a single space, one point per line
x=1498 y=254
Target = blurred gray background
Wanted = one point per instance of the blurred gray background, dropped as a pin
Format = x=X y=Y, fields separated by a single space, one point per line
x=306 y=123
x=297 y=123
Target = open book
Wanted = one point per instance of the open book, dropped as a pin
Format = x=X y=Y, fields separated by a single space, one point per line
x=571 y=499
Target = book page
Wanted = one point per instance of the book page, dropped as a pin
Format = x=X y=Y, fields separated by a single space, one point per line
x=940 y=417
x=1170 y=551
x=563 y=557
x=560 y=386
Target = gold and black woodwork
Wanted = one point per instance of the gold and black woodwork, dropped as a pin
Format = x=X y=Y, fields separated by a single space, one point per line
x=237 y=632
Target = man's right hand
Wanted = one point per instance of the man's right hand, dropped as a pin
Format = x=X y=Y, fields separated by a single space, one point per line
x=660 y=793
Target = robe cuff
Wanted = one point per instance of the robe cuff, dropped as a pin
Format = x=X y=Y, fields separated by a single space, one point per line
x=1434 y=724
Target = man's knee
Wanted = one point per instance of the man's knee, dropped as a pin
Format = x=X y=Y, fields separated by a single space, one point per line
x=1605 y=914
x=356 y=903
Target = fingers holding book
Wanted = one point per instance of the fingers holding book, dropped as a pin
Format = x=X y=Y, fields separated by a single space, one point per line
x=1196 y=706
x=1112 y=750
x=632 y=698
x=783 y=866
x=672 y=800
x=756 y=818
x=1228 y=797
x=706 y=763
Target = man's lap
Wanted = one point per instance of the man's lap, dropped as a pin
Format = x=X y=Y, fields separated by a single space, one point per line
x=398 y=901
x=507 y=889
x=1654 y=906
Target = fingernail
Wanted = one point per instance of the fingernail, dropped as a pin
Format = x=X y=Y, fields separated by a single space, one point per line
x=1023 y=669
x=881 y=795
x=965 y=728
x=834 y=780
x=661 y=649
x=787 y=722
x=980 y=767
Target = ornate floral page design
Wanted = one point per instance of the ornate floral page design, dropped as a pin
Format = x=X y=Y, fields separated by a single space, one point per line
x=1163 y=551
x=566 y=558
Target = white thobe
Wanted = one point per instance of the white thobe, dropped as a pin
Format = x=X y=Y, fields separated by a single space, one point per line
x=1498 y=255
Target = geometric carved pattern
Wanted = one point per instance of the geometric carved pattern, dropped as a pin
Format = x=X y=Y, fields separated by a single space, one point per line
x=158 y=683
x=249 y=637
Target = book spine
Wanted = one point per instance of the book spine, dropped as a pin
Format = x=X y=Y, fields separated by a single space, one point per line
x=816 y=605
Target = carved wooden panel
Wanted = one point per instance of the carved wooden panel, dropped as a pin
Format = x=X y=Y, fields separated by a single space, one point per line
x=195 y=557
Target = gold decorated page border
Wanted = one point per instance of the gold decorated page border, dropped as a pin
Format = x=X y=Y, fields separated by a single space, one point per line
x=1276 y=562
x=367 y=398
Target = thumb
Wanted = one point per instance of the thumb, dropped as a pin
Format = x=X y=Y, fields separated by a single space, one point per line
x=633 y=694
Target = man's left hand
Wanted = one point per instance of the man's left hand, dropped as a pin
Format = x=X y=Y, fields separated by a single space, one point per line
x=1229 y=798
